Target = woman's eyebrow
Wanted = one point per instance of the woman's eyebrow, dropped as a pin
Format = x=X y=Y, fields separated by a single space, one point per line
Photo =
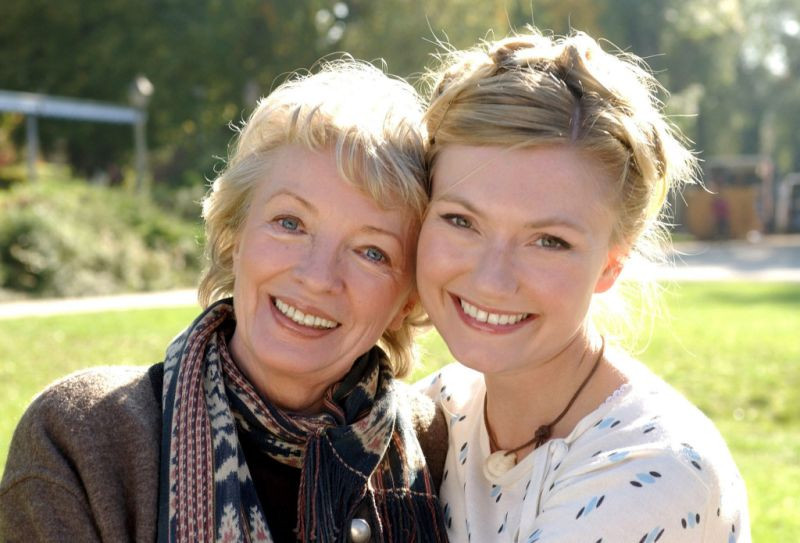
x=286 y=192
x=460 y=201
x=533 y=225
x=556 y=221
x=382 y=231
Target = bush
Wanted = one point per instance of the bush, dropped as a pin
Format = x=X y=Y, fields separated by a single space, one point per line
x=70 y=238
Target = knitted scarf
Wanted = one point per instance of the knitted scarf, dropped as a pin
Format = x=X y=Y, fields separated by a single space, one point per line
x=359 y=451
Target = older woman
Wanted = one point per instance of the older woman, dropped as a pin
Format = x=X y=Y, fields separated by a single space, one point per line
x=277 y=415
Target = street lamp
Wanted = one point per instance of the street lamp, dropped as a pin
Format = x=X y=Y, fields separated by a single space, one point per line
x=139 y=93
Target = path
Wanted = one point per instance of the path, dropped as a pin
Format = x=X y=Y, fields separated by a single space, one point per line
x=91 y=304
x=775 y=258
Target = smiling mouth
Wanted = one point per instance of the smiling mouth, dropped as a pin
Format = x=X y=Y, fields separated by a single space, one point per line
x=498 y=319
x=304 y=319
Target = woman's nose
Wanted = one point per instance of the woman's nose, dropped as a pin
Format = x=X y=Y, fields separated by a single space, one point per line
x=493 y=273
x=319 y=267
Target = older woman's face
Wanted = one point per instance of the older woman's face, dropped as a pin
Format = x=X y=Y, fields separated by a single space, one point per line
x=321 y=271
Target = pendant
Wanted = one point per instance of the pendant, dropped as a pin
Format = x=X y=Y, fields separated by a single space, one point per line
x=498 y=464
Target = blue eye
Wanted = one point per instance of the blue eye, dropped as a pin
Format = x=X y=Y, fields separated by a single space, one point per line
x=376 y=255
x=289 y=223
x=456 y=220
x=552 y=242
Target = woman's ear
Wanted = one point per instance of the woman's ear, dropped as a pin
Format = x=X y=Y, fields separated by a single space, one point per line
x=235 y=253
x=397 y=321
x=615 y=260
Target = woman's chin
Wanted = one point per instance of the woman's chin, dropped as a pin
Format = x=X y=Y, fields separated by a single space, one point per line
x=480 y=359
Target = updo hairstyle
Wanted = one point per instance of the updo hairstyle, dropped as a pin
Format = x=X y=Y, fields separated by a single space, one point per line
x=534 y=90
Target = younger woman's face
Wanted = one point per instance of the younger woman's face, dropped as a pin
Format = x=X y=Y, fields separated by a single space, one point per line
x=513 y=247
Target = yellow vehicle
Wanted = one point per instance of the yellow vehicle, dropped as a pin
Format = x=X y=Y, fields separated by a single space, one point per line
x=737 y=201
x=787 y=207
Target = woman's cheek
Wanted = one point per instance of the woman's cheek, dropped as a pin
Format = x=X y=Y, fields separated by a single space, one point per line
x=437 y=255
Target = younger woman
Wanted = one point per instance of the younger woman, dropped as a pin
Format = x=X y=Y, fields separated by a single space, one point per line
x=551 y=165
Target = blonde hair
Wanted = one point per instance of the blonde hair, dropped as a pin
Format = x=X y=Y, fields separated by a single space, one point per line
x=371 y=121
x=534 y=90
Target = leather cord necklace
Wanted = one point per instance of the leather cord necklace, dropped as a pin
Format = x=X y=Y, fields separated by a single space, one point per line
x=500 y=461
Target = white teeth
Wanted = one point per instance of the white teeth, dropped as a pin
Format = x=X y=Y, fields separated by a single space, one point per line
x=492 y=318
x=299 y=317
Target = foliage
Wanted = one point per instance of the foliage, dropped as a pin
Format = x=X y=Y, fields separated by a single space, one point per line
x=65 y=238
x=733 y=67
x=730 y=67
x=203 y=57
x=730 y=347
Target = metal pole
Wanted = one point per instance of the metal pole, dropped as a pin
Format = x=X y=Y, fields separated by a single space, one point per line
x=140 y=141
x=32 y=133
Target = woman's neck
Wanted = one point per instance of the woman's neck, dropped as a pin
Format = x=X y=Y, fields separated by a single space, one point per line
x=520 y=402
x=291 y=392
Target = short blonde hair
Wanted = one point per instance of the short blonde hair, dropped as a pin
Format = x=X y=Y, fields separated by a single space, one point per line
x=373 y=124
x=533 y=90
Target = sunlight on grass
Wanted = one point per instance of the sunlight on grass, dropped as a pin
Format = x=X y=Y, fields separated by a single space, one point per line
x=732 y=348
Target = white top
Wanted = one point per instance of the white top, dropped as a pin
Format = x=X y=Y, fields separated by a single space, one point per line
x=645 y=466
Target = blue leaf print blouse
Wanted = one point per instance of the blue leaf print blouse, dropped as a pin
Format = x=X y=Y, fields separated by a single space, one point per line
x=645 y=466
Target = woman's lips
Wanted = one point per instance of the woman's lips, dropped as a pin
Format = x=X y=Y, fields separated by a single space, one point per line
x=309 y=322
x=488 y=320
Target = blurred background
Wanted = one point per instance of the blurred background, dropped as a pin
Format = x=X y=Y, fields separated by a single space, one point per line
x=138 y=97
x=115 y=114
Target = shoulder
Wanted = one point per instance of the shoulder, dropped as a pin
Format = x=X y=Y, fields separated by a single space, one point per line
x=94 y=399
x=429 y=425
x=80 y=420
x=650 y=445
x=420 y=407
x=91 y=385
x=649 y=417
x=454 y=387
x=86 y=411
x=87 y=447
x=643 y=489
x=647 y=410
x=664 y=418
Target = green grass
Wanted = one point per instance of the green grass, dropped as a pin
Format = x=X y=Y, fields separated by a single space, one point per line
x=732 y=348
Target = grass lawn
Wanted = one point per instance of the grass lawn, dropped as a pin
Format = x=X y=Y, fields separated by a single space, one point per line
x=732 y=348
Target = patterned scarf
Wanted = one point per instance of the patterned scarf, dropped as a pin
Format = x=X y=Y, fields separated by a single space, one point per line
x=360 y=450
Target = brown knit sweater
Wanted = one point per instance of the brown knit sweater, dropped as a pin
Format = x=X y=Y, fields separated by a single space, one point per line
x=83 y=463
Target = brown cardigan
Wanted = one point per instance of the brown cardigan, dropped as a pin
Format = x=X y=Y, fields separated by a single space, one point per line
x=83 y=463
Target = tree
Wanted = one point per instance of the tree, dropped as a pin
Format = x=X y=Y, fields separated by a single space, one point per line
x=203 y=57
x=733 y=67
